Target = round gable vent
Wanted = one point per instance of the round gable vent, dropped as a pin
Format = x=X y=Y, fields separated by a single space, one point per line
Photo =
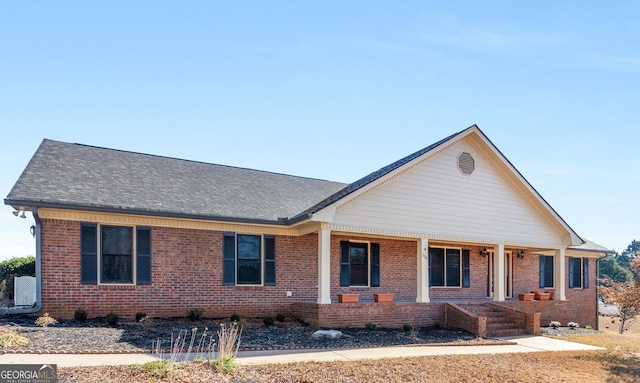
x=466 y=163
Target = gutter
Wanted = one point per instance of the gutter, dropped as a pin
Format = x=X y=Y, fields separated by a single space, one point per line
x=38 y=305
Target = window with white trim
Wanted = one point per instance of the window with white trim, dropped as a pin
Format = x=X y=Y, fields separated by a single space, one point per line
x=115 y=254
x=449 y=267
x=359 y=264
x=249 y=259
x=546 y=271
x=578 y=273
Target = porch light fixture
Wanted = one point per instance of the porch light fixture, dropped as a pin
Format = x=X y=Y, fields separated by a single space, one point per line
x=32 y=230
x=521 y=254
x=483 y=252
x=16 y=212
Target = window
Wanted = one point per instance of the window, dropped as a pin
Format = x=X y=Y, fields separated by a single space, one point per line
x=546 y=271
x=359 y=264
x=449 y=267
x=115 y=254
x=249 y=259
x=578 y=273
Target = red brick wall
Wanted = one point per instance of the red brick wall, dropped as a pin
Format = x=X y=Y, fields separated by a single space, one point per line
x=478 y=277
x=186 y=273
x=398 y=275
x=388 y=315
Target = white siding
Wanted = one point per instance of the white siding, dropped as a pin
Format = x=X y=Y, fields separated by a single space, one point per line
x=436 y=198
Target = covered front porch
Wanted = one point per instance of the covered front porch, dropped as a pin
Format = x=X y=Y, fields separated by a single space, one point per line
x=425 y=270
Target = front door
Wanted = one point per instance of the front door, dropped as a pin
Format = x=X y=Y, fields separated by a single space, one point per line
x=508 y=277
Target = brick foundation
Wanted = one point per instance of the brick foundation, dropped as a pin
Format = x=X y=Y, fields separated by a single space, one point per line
x=390 y=315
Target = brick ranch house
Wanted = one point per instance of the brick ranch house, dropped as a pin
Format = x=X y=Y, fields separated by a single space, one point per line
x=454 y=232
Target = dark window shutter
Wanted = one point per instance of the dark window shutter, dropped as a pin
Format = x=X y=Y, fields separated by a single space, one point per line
x=436 y=266
x=143 y=256
x=89 y=253
x=269 y=260
x=375 y=265
x=585 y=271
x=542 y=279
x=345 y=277
x=571 y=273
x=466 y=268
x=229 y=259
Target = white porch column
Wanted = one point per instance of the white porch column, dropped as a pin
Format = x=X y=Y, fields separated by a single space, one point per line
x=499 y=287
x=423 y=270
x=324 y=266
x=560 y=275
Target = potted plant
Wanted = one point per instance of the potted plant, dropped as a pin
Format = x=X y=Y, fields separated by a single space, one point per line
x=526 y=296
x=383 y=297
x=542 y=296
x=348 y=298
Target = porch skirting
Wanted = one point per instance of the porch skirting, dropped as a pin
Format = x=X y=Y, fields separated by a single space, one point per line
x=528 y=316
x=391 y=315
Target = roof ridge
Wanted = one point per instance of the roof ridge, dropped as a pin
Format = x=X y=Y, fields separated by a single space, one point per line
x=190 y=161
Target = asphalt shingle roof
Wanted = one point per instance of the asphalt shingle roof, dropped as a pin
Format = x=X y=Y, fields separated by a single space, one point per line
x=81 y=176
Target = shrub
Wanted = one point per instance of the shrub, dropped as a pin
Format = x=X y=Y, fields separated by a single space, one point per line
x=407 y=327
x=267 y=320
x=195 y=314
x=573 y=325
x=280 y=317
x=80 y=315
x=112 y=318
x=45 y=320
x=440 y=325
x=235 y=317
x=140 y=315
x=15 y=267
x=555 y=324
x=370 y=326
x=19 y=266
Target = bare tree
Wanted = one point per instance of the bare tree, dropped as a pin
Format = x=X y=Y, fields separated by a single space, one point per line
x=626 y=295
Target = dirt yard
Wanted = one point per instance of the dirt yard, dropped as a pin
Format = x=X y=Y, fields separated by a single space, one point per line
x=619 y=363
x=612 y=324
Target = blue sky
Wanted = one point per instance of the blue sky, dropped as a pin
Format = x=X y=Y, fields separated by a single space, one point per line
x=334 y=90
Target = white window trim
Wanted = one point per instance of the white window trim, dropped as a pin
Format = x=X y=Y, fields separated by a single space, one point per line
x=368 y=285
x=553 y=285
x=134 y=235
x=445 y=267
x=581 y=273
x=262 y=260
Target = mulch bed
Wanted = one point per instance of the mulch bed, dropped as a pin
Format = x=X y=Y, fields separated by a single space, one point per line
x=128 y=336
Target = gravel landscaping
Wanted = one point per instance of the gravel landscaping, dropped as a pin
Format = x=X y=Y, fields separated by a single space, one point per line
x=94 y=335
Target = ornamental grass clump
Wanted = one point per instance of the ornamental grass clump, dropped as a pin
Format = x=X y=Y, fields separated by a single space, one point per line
x=10 y=339
x=228 y=345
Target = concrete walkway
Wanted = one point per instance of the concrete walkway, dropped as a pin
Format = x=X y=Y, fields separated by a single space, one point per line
x=524 y=344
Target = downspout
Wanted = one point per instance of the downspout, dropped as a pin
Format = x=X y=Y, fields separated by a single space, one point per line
x=598 y=289
x=38 y=304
